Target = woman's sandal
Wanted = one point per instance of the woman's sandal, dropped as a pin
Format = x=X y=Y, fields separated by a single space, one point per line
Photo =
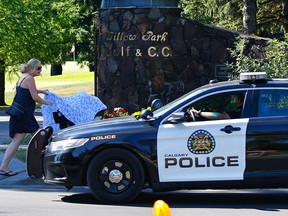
x=9 y=173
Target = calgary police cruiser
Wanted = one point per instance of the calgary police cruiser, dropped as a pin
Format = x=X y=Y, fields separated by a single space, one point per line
x=173 y=148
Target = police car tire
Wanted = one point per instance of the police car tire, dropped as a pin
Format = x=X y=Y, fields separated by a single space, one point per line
x=103 y=164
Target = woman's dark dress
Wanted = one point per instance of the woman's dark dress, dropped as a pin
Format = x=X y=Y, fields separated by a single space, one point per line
x=27 y=123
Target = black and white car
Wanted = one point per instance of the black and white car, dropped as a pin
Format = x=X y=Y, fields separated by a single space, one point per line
x=168 y=149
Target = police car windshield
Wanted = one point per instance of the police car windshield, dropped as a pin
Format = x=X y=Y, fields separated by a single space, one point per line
x=159 y=112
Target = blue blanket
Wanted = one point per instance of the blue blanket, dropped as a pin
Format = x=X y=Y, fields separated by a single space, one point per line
x=79 y=108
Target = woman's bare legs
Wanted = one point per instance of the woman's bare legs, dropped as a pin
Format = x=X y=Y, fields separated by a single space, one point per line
x=11 y=151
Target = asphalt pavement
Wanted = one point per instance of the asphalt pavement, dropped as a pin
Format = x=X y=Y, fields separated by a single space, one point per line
x=16 y=165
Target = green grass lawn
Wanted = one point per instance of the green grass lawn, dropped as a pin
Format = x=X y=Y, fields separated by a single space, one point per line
x=73 y=79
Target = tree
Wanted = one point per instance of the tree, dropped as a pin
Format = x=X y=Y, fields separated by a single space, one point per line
x=272 y=58
x=34 y=29
x=271 y=15
x=84 y=32
x=270 y=19
x=285 y=14
x=196 y=10
x=249 y=16
x=225 y=13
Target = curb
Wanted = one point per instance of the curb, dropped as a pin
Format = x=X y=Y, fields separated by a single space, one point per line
x=21 y=147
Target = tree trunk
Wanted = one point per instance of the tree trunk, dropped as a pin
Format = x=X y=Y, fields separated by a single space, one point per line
x=249 y=16
x=96 y=35
x=2 y=83
x=56 y=69
x=285 y=15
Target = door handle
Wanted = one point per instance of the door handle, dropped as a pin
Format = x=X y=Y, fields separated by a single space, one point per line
x=229 y=129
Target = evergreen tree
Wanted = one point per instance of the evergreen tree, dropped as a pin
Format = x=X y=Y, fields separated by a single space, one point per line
x=270 y=19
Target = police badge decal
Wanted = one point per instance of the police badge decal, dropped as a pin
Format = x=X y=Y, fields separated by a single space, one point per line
x=201 y=142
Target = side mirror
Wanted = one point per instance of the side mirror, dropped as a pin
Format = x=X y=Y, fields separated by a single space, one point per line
x=177 y=117
x=146 y=114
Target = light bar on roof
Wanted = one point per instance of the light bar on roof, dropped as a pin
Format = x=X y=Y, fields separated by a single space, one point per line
x=253 y=76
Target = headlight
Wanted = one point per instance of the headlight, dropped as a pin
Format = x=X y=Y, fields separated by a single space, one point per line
x=66 y=144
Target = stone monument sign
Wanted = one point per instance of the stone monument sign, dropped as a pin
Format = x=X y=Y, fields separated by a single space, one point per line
x=147 y=51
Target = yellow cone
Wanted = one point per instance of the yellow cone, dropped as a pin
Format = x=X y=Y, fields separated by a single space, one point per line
x=161 y=208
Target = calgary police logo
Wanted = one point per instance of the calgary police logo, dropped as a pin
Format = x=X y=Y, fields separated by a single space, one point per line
x=201 y=142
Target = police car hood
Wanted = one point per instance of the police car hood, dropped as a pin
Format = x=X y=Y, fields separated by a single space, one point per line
x=97 y=127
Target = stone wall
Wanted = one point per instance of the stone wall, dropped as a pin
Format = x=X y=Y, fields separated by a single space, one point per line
x=148 y=53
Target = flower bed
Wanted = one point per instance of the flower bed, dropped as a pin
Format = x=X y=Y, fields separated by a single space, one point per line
x=119 y=112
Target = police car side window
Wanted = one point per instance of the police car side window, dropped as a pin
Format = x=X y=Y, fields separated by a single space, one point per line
x=273 y=103
x=213 y=107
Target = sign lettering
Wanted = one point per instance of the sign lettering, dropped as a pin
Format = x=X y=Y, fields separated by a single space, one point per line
x=152 y=51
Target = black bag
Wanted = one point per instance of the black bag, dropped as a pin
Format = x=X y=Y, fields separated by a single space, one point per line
x=16 y=110
x=60 y=119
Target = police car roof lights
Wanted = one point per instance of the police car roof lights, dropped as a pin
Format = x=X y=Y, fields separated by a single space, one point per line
x=253 y=76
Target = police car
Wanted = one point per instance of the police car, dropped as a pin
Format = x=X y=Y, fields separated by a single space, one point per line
x=170 y=149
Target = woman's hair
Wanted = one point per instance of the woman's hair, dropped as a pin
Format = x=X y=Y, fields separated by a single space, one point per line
x=24 y=68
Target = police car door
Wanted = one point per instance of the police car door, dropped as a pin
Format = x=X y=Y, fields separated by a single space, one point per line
x=202 y=150
x=267 y=148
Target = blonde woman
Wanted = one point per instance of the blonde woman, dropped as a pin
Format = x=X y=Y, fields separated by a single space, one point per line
x=26 y=96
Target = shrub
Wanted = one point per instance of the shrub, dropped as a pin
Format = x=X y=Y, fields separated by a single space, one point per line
x=272 y=58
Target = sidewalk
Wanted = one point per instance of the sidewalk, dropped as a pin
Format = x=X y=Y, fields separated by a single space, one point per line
x=16 y=165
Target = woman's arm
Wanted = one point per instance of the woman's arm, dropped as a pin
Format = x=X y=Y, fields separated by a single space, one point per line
x=214 y=115
x=210 y=115
x=30 y=82
x=42 y=91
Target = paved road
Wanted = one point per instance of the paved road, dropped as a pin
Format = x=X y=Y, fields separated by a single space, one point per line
x=15 y=165
x=52 y=200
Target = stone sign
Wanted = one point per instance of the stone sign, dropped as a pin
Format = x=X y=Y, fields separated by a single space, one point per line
x=148 y=53
x=222 y=72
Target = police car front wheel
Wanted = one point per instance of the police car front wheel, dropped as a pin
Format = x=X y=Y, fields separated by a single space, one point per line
x=115 y=176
